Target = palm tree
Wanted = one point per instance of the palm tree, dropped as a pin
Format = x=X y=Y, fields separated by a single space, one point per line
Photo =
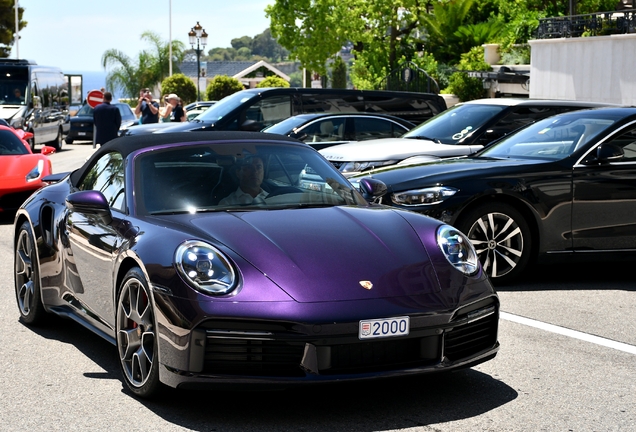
x=148 y=70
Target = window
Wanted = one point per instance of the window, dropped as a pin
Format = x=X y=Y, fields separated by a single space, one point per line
x=627 y=141
x=107 y=176
x=324 y=130
x=372 y=128
x=269 y=110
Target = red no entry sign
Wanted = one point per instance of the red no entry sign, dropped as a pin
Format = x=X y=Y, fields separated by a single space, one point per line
x=94 y=98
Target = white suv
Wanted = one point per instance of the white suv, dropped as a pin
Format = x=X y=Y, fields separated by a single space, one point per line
x=461 y=130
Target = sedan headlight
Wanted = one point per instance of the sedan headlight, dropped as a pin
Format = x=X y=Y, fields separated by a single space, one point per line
x=36 y=172
x=457 y=249
x=364 y=166
x=205 y=268
x=427 y=196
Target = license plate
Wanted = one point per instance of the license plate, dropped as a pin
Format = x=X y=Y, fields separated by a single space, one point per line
x=81 y=133
x=385 y=327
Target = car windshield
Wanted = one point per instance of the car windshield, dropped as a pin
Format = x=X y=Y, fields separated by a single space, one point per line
x=221 y=108
x=553 y=138
x=85 y=110
x=455 y=124
x=237 y=177
x=11 y=145
x=286 y=126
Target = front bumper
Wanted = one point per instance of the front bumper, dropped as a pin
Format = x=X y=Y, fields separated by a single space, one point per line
x=266 y=351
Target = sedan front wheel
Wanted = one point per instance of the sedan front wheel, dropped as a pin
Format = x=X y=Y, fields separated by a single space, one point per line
x=137 y=335
x=501 y=237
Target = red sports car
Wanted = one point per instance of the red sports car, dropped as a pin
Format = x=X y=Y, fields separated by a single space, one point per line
x=21 y=171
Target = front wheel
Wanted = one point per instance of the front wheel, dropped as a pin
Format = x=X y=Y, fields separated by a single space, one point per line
x=501 y=237
x=27 y=278
x=137 y=335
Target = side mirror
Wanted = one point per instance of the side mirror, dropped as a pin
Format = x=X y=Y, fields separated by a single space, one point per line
x=609 y=153
x=251 y=126
x=301 y=136
x=90 y=202
x=372 y=189
x=46 y=150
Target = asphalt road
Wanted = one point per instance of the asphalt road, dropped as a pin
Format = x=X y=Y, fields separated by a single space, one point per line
x=567 y=363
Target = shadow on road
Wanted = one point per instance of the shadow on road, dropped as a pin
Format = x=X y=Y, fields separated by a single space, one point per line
x=363 y=406
x=576 y=276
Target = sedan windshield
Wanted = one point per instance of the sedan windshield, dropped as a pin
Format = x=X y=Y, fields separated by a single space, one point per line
x=225 y=106
x=553 y=138
x=237 y=177
x=455 y=124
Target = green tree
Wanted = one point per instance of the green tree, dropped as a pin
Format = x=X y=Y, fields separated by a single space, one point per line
x=7 y=26
x=242 y=42
x=273 y=81
x=339 y=73
x=221 y=86
x=148 y=70
x=466 y=87
x=180 y=85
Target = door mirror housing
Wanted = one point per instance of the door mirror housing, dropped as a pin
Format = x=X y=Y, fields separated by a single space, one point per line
x=90 y=202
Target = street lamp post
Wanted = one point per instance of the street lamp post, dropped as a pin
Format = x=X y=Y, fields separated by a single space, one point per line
x=198 y=37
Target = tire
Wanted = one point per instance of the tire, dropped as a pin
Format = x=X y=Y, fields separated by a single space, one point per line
x=68 y=140
x=58 y=141
x=31 y=142
x=502 y=239
x=27 y=278
x=136 y=335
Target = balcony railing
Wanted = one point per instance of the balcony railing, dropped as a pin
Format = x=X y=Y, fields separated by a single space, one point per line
x=598 y=24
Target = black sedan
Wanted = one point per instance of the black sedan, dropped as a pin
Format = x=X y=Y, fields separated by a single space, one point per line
x=81 y=124
x=322 y=130
x=561 y=188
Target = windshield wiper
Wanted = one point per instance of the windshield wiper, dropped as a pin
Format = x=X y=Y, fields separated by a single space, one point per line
x=422 y=137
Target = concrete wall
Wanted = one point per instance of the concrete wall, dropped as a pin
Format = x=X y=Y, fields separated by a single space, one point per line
x=598 y=69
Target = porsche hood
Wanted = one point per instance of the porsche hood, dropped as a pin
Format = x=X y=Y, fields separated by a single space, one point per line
x=330 y=254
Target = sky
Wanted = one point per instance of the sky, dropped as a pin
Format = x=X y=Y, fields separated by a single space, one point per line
x=73 y=34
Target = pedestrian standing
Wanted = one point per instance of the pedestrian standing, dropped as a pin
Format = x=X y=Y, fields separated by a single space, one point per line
x=174 y=110
x=107 y=121
x=147 y=108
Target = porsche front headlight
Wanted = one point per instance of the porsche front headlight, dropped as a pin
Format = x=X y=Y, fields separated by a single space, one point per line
x=205 y=268
x=427 y=196
x=36 y=172
x=457 y=249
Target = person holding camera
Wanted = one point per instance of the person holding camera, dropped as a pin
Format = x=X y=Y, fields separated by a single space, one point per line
x=147 y=107
x=174 y=110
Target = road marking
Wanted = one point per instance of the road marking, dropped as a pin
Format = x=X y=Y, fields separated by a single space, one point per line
x=570 y=333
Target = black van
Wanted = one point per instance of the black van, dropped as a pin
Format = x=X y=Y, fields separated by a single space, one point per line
x=255 y=109
x=34 y=98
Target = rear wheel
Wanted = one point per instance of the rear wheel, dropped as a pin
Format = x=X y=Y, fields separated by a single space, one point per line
x=501 y=237
x=58 y=141
x=137 y=335
x=68 y=140
x=27 y=278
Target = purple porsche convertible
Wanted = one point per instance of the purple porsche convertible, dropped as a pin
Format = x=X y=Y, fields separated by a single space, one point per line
x=215 y=257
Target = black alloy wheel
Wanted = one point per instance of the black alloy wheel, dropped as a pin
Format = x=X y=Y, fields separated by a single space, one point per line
x=137 y=336
x=27 y=278
x=502 y=239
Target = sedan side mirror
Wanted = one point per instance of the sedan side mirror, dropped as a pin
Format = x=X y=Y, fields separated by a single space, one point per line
x=372 y=188
x=90 y=202
x=47 y=150
x=609 y=153
x=251 y=126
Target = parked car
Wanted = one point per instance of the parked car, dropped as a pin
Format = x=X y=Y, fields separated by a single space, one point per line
x=324 y=130
x=21 y=171
x=195 y=108
x=461 y=130
x=561 y=188
x=81 y=124
x=193 y=290
x=258 y=108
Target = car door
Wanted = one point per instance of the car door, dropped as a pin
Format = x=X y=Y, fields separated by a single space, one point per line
x=605 y=198
x=95 y=242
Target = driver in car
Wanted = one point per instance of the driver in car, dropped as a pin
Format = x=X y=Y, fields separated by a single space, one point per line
x=250 y=175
